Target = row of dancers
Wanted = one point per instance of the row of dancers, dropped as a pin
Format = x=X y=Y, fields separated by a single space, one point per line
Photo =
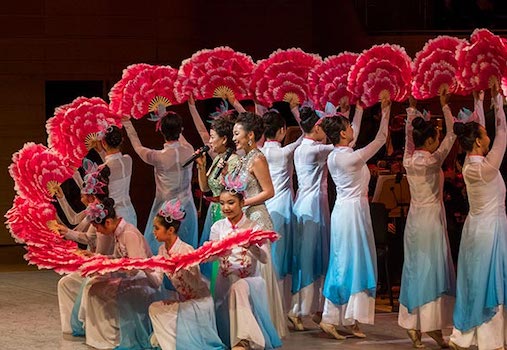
x=327 y=261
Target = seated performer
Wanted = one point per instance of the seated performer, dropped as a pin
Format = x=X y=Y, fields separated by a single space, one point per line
x=243 y=317
x=188 y=322
x=114 y=307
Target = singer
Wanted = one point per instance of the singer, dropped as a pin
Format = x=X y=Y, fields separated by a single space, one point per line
x=220 y=142
x=171 y=179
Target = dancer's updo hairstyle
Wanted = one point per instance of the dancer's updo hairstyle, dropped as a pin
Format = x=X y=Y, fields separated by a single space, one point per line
x=113 y=136
x=467 y=133
x=308 y=119
x=332 y=127
x=273 y=121
x=422 y=131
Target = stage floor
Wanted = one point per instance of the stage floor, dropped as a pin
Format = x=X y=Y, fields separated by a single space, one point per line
x=29 y=319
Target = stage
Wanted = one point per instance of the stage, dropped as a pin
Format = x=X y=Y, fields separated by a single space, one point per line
x=30 y=320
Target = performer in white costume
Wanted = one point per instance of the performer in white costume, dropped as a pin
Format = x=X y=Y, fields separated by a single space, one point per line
x=280 y=207
x=106 y=309
x=351 y=279
x=187 y=322
x=252 y=169
x=479 y=314
x=428 y=285
x=311 y=212
x=171 y=179
x=243 y=316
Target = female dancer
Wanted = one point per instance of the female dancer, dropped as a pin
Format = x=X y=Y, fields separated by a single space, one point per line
x=189 y=321
x=311 y=211
x=479 y=313
x=120 y=166
x=428 y=281
x=242 y=314
x=252 y=169
x=281 y=168
x=351 y=279
x=114 y=307
x=171 y=180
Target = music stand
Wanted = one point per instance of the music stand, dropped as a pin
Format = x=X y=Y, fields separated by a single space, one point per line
x=393 y=191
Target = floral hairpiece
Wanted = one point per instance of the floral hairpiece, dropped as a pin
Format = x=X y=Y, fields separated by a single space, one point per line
x=158 y=110
x=329 y=111
x=105 y=128
x=221 y=111
x=465 y=116
x=234 y=184
x=91 y=182
x=96 y=212
x=171 y=210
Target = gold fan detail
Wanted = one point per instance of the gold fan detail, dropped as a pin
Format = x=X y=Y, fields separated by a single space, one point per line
x=158 y=101
x=292 y=98
x=223 y=92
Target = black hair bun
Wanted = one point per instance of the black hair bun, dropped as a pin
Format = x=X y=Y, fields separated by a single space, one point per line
x=108 y=202
x=418 y=123
x=459 y=128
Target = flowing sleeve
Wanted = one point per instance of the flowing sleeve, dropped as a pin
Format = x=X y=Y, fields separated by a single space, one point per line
x=373 y=147
x=73 y=217
x=409 y=140
x=155 y=278
x=445 y=147
x=133 y=243
x=88 y=237
x=199 y=124
x=237 y=106
x=356 y=124
x=146 y=154
x=295 y=113
x=291 y=147
x=493 y=160
x=479 y=109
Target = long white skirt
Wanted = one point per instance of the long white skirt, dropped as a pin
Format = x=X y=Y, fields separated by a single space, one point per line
x=489 y=335
x=431 y=316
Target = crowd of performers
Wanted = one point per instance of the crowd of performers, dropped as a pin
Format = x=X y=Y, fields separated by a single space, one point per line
x=324 y=266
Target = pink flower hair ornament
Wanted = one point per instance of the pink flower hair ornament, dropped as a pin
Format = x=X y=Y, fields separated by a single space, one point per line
x=171 y=210
x=234 y=184
x=221 y=111
x=96 y=212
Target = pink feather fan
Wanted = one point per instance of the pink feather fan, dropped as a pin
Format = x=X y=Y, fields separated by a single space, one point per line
x=482 y=62
x=328 y=81
x=74 y=132
x=208 y=251
x=219 y=72
x=435 y=67
x=283 y=76
x=141 y=88
x=36 y=171
x=383 y=71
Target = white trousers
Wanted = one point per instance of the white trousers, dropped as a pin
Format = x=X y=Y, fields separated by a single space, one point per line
x=489 y=335
x=431 y=316
x=68 y=289
x=360 y=308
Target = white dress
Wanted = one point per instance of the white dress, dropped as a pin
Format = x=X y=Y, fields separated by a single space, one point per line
x=351 y=279
x=479 y=314
x=428 y=285
x=119 y=185
x=280 y=207
x=100 y=306
x=240 y=292
x=172 y=182
x=189 y=321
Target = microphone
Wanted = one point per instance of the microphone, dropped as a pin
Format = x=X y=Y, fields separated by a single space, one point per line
x=196 y=155
x=221 y=163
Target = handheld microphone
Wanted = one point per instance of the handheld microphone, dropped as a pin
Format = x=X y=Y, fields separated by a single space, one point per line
x=221 y=164
x=196 y=155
